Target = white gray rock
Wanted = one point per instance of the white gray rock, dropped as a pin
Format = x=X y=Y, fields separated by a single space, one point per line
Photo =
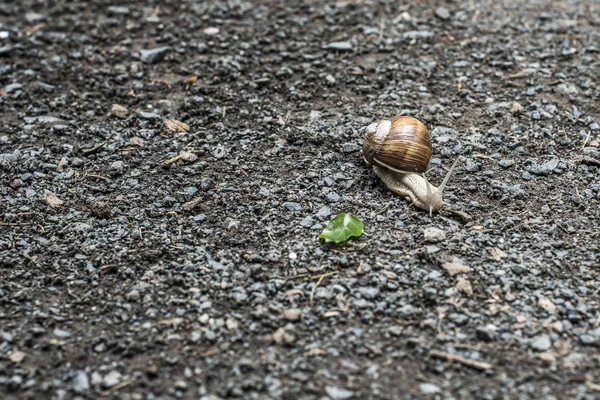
x=434 y=235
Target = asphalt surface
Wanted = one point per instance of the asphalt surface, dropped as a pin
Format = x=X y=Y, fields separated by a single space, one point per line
x=166 y=169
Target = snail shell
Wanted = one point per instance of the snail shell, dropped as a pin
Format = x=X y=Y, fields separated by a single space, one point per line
x=400 y=144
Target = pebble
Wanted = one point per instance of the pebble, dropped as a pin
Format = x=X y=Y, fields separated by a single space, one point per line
x=207 y=184
x=81 y=382
x=149 y=116
x=337 y=393
x=117 y=168
x=458 y=319
x=211 y=31
x=333 y=197
x=587 y=339
x=463 y=285
x=61 y=334
x=343 y=46
x=541 y=343
x=134 y=295
x=307 y=222
x=442 y=13
x=324 y=212
x=153 y=56
x=486 y=333
x=429 y=388
x=407 y=311
x=506 y=163
x=454 y=268
x=350 y=148
x=293 y=314
x=118 y=10
x=292 y=206
x=434 y=235
x=516 y=108
x=111 y=379
x=43 y=87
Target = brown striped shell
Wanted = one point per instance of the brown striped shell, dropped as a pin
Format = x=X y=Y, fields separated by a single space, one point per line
x=401 y=144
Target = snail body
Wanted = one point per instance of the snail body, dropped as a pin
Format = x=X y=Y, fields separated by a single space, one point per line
x=399 y=149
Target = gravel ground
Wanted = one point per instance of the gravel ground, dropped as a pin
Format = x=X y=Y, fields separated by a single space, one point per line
x=166 y=169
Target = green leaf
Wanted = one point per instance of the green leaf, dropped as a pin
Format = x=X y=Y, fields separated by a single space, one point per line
x=341 y=228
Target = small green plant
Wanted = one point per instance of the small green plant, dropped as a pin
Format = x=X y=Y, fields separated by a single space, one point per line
x=341 y=228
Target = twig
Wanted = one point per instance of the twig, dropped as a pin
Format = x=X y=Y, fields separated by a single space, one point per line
x=320 y=277
x=589 y=160
x=119 y=386
x=93 y=149
x=480 y=365
x=586 y=139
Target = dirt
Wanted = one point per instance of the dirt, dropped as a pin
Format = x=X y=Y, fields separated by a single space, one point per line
x=166 y=169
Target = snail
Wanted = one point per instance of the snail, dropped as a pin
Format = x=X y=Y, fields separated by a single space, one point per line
x=399 y=150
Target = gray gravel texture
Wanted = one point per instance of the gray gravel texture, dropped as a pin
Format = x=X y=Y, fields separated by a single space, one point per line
x=141 y=260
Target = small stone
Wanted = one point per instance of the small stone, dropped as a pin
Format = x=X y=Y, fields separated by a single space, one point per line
x=149 y=116
x=96 y=378
x=458 y=319
x=333 y=197
x=567 y=88
x=33 y=17
x=12 y=87
x=307 y=222
x=464 y=286
x=207 y=184
x=324 y=212
x=153 y=56
x=407 y=311
x=342 y=46
x=337 y=393
x=181 y=384
x=546 y=304
x=545 y=168
x=43 y=87
x=429 y=388
x=350 y=148
x=587 y=339
x=548 y=358
x=174 y=126
x=278 y=335
x=516 y=108
x=61 y=334
x=119 y=111
x=118 y=10
x=442 y=13
x=17 y=356
x=52 y=199
x=293 y=314
x=111 y=379
x=541 y=343
x=330 y=80
x=134 y=295
x=486 y=333
x=292 y=206
x=506 y=163
x=454 y=268
x=434 y=235
x=81 y=382
x=117 y=168
x=211 y=31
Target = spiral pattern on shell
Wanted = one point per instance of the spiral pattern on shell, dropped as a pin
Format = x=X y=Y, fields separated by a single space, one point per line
x=400 y=144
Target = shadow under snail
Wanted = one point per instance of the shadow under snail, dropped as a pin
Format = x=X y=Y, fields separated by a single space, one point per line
x=399 y=150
